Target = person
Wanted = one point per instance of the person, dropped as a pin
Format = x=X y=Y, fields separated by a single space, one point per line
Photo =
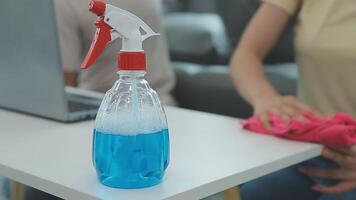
x=325 y=48
x=76 y=32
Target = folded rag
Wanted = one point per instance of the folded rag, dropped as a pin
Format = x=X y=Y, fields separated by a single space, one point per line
x=336 y=131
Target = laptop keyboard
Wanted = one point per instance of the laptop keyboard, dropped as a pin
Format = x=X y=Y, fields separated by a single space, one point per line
x=75 y=106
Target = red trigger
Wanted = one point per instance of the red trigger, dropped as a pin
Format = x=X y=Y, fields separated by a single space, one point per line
x=102 y=38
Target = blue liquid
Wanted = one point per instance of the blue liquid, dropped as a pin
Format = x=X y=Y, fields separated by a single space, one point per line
x=123 y=161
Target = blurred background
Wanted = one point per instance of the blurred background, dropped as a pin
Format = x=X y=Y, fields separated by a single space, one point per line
x=202 y=35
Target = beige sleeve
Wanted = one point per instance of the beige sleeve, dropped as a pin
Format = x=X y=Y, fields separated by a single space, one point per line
x=69 y=35
x=289 y=6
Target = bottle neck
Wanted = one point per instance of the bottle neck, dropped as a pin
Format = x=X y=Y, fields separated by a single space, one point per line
x=126 y=74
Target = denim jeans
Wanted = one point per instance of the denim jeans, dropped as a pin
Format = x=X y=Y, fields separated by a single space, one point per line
x=290 y=184
x=4 y=188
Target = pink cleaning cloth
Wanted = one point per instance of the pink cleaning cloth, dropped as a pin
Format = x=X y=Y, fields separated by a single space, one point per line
x=337 y=131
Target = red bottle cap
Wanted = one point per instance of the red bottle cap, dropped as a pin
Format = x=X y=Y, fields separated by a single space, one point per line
x=135 y=61
x=98 y=7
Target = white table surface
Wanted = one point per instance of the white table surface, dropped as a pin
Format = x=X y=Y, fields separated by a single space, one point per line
x=209 y=153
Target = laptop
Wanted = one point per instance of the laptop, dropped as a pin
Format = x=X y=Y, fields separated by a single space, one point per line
x=31 y=73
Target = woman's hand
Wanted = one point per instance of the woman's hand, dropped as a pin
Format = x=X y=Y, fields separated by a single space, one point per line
x=346 y=173
x=288 y=107
x=70 y=78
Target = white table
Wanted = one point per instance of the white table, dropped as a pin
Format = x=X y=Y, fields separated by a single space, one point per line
x=209 y=153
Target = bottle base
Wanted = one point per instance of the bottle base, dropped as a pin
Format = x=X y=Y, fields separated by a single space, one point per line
x=119 y=183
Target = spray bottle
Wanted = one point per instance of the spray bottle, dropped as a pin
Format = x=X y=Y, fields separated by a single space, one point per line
x=131 y=141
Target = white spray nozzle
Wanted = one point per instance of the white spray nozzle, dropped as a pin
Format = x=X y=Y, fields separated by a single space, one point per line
x=127 y=26
x=116 y=23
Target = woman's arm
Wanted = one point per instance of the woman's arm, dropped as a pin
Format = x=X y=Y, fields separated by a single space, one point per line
x=259 y=37
x=70 y=38
x=247 y=71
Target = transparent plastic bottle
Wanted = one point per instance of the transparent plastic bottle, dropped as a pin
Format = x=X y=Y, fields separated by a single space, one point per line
x=131 y=140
